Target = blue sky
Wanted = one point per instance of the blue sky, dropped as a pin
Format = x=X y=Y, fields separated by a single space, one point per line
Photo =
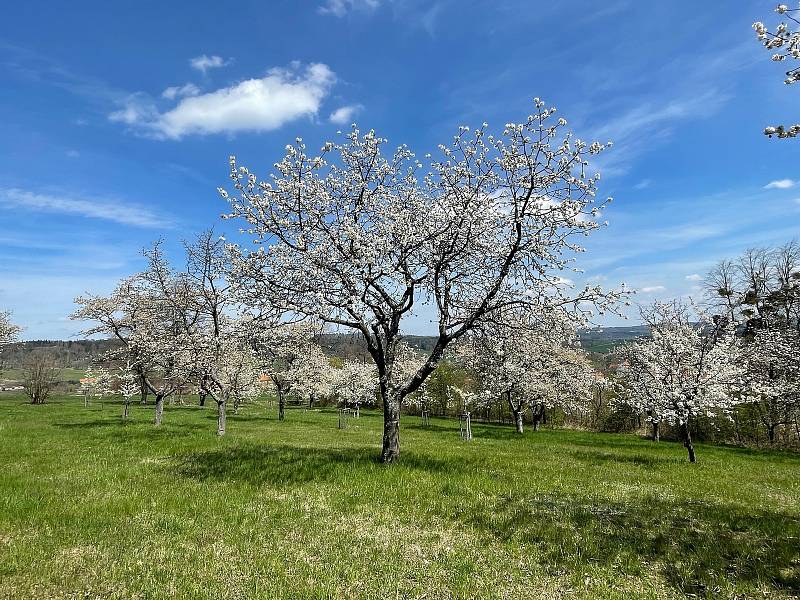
x=116 y=121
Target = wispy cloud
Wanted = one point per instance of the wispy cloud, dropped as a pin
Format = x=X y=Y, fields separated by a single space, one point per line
x=686 y=233
x=634 y=131
x=694 y=277
x=203 y=63
x=340 y=8
x=109 y=210
x=264 y=104
x=179 y=91
x=643 y=184
x=780 y=184
x=653 y=289
x=345 y=114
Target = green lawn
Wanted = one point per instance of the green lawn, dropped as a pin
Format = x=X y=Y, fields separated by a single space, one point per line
x=91 y=507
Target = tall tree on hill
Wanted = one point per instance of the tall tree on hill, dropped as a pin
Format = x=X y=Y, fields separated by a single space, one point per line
x=356 y=239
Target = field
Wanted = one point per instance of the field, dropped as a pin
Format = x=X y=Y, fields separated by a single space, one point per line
x=17 y=375
x=91 y=507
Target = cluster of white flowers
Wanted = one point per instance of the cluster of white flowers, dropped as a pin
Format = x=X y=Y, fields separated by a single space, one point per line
x=8 y=331
x=356 y=384
x=685 y=368
x=528 y=363
x=784 y=42
x=759 y=294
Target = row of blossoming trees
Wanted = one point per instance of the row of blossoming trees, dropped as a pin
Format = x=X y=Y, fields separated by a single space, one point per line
x=355 y=239
x=737 y=356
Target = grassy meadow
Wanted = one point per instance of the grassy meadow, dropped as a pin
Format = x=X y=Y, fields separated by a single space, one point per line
x=93 y=507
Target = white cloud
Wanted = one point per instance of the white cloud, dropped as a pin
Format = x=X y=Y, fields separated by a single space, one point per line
x=643 y=184
x=109 y=210
x=136 y=108
x=652 y=289
x=564 y=282
x=339 y=8
x=203 y=63
x=264 y=104
x=694 y=277
x=780 y=184
x=344 y=115
x=181 y=91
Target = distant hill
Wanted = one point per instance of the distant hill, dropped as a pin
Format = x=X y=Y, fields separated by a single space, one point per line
x=600 y=340
x=605 y=339
x=78 y=354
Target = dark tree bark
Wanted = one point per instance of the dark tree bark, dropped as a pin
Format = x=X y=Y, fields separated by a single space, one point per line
x=222 y=419
x=537 y=415
x=656 y=431
x=687 y=441
x=145 y=393
x=771 y=432
x=391 y=430
x=125 y=407
x=159 y=409
x=202 y=398
x=281 y=405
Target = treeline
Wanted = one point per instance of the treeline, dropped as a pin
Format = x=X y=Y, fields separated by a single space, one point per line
x=71 y=354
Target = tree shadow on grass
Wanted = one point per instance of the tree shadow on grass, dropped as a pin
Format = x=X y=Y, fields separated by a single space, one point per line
x=432 y=428
x=291 y=465
x=700 y=548
x=599 y=457
x=143 y=430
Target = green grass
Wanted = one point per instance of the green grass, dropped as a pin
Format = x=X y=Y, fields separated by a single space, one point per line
x=92 y=507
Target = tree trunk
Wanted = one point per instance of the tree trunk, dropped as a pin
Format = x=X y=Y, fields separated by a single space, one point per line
x=159 y=409
x=687 y=441
x=518 y=420
x=656 y=431
x=221 y=418
x=391 y=430
x=202 y=398
x=281 y=406
x=144 y=394
x=125 y=409
x=771 y=433
x=537 y=412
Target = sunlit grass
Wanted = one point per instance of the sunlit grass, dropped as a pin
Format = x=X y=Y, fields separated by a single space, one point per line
x=301 y=509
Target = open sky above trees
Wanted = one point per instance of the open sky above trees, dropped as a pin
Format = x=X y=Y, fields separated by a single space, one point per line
x=116 y=126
